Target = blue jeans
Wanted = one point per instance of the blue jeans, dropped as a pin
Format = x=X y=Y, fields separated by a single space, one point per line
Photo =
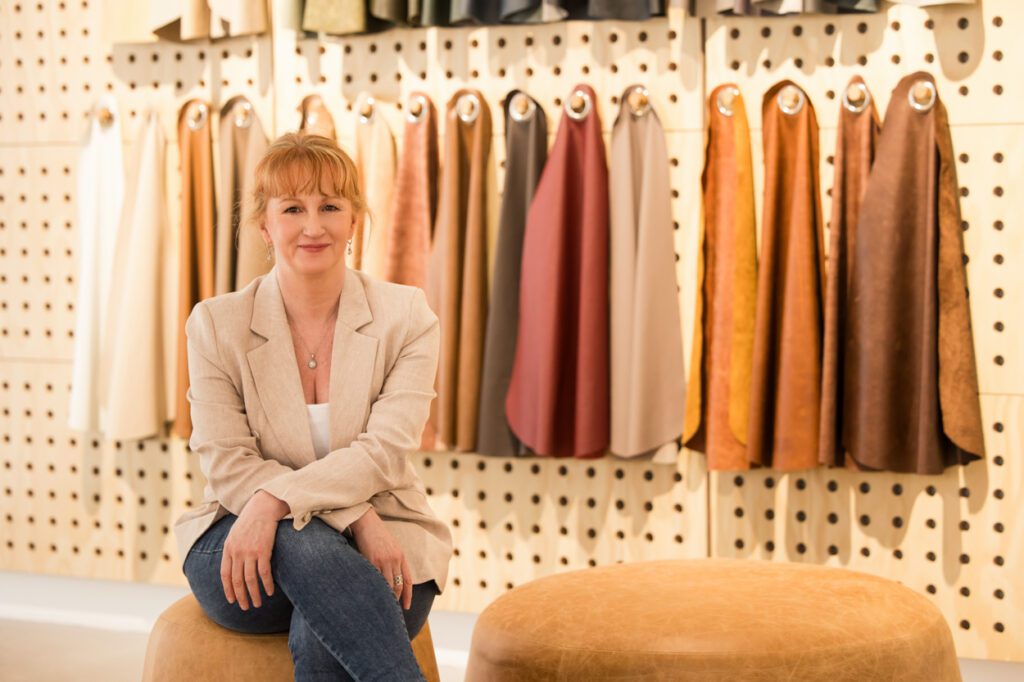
x=342 y=619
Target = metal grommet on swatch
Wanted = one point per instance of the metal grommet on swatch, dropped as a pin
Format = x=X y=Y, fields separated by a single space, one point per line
x=243 y=114
x=197 y=115
x=367 y=109
x=639 y=100
x=790 y=100
x=856 y=98
x=578 y=105
x=468 y=107
x=417 y=108
x=521 y=107
x=922 y=95
x=726 y=100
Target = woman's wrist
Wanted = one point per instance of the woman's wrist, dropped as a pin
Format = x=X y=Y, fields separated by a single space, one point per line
x=368 y=517
x=266 y=504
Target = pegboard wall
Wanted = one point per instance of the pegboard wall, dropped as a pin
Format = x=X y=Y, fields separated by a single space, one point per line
x=74 y=505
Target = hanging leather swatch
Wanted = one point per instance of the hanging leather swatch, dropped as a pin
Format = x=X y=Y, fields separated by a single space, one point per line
x=557 y=402
x=395 y=12
x=429 y=12
x=196 y=237
x=240 y=250
x=648 y=385
x=631 y=10
x=375 y=159
x=532 y=11
x=336 y=17
x=99 y=195
x=316 y=118
x=718 y=395
x=135 y=369
x=855 y=152
x=526 y=144
x=473 y=12
x=785 y=383
x=457 y=287
x=911 y=385
x=414 y=203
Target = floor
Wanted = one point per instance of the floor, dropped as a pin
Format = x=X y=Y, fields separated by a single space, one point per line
x=55 y=629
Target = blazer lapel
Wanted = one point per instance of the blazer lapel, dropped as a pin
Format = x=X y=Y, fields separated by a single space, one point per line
x=352 y=364
x=276 y=374
x=275 y=369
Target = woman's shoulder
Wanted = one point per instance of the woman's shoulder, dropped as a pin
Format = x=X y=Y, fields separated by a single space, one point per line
x=230 y=309
x=391 y=301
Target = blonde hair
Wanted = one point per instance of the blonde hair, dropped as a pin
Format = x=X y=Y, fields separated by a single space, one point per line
x=303 y=163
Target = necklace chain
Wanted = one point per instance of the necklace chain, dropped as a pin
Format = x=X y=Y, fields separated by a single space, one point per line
x=311 y=363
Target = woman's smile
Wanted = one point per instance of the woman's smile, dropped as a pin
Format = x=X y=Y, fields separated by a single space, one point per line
x=313 y=248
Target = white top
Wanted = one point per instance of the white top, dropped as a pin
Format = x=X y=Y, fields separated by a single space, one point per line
x=320 y=427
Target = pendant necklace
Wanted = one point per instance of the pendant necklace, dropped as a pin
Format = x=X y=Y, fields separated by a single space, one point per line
x=311 y=363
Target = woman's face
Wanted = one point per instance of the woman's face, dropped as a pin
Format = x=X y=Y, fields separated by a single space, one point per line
x=309 y=232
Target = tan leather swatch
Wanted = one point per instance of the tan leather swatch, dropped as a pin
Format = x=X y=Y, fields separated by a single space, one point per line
x=718 y=395
x=785 y=382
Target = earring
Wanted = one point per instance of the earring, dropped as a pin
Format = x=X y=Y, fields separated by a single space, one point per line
x=349 y=250
x=270 y=252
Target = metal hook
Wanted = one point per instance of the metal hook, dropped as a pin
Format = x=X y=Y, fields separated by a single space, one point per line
x=197 y=115
x=521 y=107
x=417 y=108
x=922 y=96
x=471 y=102
x=367 y=110
x=578 y=105
x=856 y=98
x=790 y=99
x=639 y=100
x=243 y=114
x=105 y=116
x=726 y=99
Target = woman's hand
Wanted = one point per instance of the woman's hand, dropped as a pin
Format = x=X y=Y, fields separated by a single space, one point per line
x=247 y=550
x=375 y=542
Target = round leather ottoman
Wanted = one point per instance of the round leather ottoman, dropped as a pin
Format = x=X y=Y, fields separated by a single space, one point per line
x=186 y=646
x=712 y=619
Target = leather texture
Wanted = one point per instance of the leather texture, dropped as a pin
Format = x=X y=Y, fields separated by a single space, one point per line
x=526 y=150
x=457 y=284
x=375 y=159
x=100 y=181
x=911 y=399
x=718 y=395
x=857 y=136
x=186 y=646
x=415 y=200
x=196 y=252
x=712 y=620
x=137 y=366
x=251 y=428
x=558 y=401
x=240 y=252
x=785 y=381
x=338 y=17
x=647 y=379
x=316 y=117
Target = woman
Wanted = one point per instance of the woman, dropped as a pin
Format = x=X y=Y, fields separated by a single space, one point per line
x=307 y=390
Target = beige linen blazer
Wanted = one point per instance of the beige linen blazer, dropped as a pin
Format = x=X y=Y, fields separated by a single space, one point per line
x=250 y=425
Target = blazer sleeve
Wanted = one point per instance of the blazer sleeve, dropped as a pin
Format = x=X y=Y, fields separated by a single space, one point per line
x=221 y=436
x=377 y=460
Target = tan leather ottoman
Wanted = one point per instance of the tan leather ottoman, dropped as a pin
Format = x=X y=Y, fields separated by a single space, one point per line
x=712 y=620
x=186 y=646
